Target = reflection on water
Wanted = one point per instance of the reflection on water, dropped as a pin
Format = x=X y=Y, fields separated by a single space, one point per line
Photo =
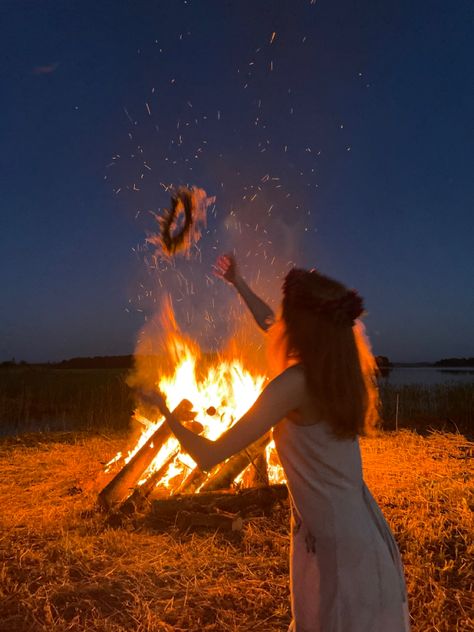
x=399 y=376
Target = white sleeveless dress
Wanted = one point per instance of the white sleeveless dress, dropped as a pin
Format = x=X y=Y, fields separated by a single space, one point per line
x=345 y=568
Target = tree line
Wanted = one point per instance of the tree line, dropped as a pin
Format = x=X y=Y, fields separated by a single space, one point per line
x=126 y=362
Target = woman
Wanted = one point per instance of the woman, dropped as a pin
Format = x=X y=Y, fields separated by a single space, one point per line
x=346 y=572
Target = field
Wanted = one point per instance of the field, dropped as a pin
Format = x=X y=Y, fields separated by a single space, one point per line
x=63 y=569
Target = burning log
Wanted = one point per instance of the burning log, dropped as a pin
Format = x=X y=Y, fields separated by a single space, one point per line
x=258 y=475
x=192 y=482
x=121 y=486
x=137 y=501
x=223 y=478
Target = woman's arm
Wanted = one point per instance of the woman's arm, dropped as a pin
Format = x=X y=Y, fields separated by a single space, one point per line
x=226 y=267
x=283 y=394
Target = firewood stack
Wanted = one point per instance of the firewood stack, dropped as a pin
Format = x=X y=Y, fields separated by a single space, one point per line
x=201 y=500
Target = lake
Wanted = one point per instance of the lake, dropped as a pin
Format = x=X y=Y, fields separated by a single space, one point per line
x=400 y=376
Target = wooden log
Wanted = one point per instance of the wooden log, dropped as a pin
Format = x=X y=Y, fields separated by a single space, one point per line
x=223 y=478
x=121 y=486
x=186 y=520
x=257 y=474
x=139 y=498
x=192 y=482
x=245 y=502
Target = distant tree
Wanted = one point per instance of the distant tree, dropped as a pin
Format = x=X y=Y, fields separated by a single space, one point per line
x=97 y=362
x=455 y=362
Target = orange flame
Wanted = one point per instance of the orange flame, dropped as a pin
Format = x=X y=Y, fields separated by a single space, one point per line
x=221 y=391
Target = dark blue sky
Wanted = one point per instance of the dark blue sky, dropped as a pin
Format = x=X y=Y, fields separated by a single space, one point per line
x=345 y=143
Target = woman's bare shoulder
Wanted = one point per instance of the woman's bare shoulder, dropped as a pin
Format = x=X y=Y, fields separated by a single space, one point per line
x=291 y=380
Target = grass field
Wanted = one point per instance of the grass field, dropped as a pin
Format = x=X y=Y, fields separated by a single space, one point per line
x=62 y=569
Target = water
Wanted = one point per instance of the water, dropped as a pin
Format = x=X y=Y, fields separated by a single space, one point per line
x=402 y=376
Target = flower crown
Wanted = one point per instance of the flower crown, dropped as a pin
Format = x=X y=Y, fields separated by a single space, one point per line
x=299 y=292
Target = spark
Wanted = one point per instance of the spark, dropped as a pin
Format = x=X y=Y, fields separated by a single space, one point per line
x=148 y=109
x=128 y=115
x=272 y=37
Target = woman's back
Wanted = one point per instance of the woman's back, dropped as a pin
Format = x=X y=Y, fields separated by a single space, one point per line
x=312 y=452
x=346 y=572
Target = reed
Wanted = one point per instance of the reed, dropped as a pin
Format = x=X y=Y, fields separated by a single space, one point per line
x=447 y=406
x=85 y=399
x=63 y=399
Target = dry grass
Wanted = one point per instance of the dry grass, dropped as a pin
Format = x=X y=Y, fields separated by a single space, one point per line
x=62 y=569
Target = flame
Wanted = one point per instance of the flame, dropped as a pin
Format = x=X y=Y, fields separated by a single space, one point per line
x=221 y=391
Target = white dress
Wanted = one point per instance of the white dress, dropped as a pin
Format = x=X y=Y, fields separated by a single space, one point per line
x=345 y=568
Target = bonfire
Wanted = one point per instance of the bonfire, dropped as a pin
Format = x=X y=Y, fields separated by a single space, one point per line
x=156 y=472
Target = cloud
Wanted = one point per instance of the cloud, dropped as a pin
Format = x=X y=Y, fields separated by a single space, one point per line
x=45 y=70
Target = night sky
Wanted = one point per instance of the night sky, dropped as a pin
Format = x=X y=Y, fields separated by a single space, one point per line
x=334 y=134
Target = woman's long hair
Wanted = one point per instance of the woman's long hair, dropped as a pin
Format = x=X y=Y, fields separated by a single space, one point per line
x=318 y=328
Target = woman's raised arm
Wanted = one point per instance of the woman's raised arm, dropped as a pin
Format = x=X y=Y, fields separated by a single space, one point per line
x=226 y=268
x=282 y=395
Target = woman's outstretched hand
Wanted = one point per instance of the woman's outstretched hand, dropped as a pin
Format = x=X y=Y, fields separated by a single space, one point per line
x=226 y=268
